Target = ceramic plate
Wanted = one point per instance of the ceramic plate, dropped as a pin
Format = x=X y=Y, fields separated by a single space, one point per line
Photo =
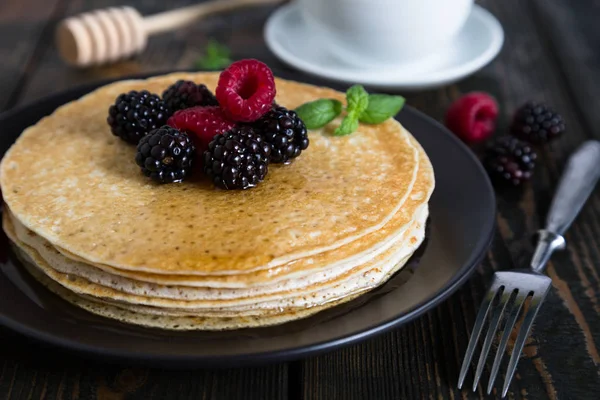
x=459 y=233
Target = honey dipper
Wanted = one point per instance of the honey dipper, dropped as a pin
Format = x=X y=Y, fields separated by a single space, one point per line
x=110 y=34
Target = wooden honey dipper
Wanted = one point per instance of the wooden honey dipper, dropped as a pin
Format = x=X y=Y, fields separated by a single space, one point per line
x=111 y=34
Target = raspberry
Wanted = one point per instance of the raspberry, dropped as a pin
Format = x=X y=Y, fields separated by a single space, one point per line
x=246 y=90
x=473 y=116
x=537 y=123
x=203 y=123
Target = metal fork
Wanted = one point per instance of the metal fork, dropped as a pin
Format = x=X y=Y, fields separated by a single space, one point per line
x=514 y=287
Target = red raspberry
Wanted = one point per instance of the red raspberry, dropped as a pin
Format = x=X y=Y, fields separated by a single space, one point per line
x=246 y=90
x=473 y=116
x=202 y=123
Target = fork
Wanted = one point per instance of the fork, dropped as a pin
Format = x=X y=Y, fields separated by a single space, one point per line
x=514 y=287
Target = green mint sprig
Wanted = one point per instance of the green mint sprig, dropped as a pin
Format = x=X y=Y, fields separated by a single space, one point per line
x=381 y=107
x=217 y=56
x=316 y=114
x=349 y=124
x=361 y=107
x=357 y=99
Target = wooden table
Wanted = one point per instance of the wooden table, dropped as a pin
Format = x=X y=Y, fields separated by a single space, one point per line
x=552 y=53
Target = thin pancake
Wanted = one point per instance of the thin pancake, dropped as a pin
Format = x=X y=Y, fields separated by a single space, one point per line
x=370 y=275
x=354 y=251
x=62 y=264
x=341 y=189
x=129 y=316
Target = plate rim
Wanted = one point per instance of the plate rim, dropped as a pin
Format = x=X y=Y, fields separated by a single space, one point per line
x=257 y=358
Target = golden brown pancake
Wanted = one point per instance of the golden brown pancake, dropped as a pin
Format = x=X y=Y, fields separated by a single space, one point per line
x=340 y=257
x=69 y=180
x=367 y=276
x=70 y=270
x=337 y=222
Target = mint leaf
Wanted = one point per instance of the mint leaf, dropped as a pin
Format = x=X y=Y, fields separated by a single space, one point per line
x=357 y=99
x=316 y=114
x=217 y=56
x=349 y=124
x=360 y=107
x=381 y=107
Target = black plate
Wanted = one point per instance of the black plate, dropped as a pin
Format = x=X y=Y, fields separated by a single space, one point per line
x=460 y=230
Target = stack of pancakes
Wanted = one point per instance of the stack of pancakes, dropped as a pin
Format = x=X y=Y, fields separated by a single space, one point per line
x=337 y=222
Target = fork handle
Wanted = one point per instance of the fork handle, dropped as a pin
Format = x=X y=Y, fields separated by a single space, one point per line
x=576 y=185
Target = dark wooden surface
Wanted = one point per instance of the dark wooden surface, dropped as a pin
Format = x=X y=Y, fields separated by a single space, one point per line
x=552 y=53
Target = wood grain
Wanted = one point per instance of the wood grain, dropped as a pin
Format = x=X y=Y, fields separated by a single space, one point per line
x=550 y=55
x=175 y=50
x=576 y=52
x=24 y=28
x=526 y=69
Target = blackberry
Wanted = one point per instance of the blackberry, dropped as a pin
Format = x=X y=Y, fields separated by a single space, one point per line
x=134 y=114
x=165 y=155
x=237 y=159
x=185 y=94
x=510 y=160
x=285 y=131
x=537 y=123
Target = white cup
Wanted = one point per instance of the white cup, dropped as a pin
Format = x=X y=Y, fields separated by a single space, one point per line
x=384 y=32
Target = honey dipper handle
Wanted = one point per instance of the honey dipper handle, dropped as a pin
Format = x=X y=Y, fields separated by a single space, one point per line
x=181 y=17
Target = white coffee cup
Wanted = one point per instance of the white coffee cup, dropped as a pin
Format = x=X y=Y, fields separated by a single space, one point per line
x=384 y=32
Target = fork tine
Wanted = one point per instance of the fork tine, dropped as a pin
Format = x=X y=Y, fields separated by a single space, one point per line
x=534 y=307
x=481 y=316
x=489 y=338
x=508 y=327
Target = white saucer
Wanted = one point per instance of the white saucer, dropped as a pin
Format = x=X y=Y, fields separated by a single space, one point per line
x=475 y=46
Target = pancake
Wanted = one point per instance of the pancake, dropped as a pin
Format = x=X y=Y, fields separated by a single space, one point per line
x=366 y=276
x=417 y=198
x=135 y=317
x=72 y=268
x=340 y=190
x=337 y=222
x=354 y=252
